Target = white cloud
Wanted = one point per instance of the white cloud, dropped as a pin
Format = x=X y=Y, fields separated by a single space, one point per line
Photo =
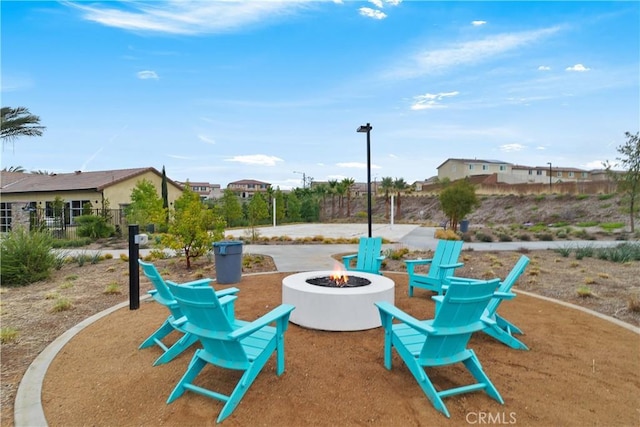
x=175 y=156
x=596 y=164
x=393 y=2
x=377 y=3
x=356 y=165
x=185 y=16
x=578 y=67
x=145 y=75
x=372 y=13
x=544 y=68
x=431 y=100
x=467 y=53
x=206 y=139
x=256 y=159
x=510 y=148
x=478 y=23
x=540 y=147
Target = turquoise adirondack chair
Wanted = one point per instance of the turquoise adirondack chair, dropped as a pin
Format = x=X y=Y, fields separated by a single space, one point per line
x=443 y=340
x=441 y=266
x=162 y=295
x=227 y=342
x=500 y=329
x=368 y=258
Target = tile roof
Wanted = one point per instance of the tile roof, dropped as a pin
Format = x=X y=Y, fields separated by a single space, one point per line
x=11 y=182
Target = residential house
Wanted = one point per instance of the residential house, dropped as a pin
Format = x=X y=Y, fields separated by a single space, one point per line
x=247 y=188
x=454 y=169
x=20 y=192
x=205 y=190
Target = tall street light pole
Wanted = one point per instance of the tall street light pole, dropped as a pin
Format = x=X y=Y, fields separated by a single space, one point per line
x=367 y=129
x=549 y=163
x=304 y=179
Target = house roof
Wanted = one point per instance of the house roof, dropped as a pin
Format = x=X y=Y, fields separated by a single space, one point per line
x=248 y=181
x=11 y=182
x=498 y=162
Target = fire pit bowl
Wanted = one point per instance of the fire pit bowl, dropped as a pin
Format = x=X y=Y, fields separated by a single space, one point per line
x=336 y=308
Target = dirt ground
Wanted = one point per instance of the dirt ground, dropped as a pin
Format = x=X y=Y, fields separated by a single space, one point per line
x=580 y=369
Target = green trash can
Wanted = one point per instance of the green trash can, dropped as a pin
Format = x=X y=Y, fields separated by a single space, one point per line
x=228 y=259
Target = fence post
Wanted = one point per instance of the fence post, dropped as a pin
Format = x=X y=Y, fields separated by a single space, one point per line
x=134 y=273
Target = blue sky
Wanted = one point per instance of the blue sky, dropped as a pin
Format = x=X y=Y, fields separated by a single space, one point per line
x=223 y=91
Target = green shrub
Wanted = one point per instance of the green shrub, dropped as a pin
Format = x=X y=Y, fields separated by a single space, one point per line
x=605 y=196
x=503 y=237
x=610 y=226
x=482 y=237
x=545 y=237
x=26 y=257
x=8 y=334
x=524 y=237
x=582 y=196
x=75 y=243
x=94 y=227
x=621 y=253
x=564 y=251
x=587 y=224
x=584 y=251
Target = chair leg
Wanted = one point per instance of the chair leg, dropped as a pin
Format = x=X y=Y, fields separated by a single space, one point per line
x=505 y=338
x=507 y=326
x=176 y=349
x=158 y=335
x=473 y=365
x=410 y=290
x=195 y=366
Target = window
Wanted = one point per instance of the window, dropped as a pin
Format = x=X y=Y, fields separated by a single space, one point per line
x=503 y=168
x=530 y=172
x=485 y=167
x=470 y=167
x=75 y=209
x=5 y=217
x=558 y=174
x=584 y=175
x=538 y=172
x=251 y=186
x=570 y=174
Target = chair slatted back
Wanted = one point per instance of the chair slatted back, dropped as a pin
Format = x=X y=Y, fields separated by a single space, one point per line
x=163 y=295
x=207 y=319
x=447 y=252
x=458 y=317
x=508 y=283
x=368 y=252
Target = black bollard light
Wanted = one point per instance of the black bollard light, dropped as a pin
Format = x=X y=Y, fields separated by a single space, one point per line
x=134 y=273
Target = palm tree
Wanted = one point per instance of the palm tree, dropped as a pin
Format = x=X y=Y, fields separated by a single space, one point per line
x=42 y=172
x=333 y=184
x=14 y=169
x=387 y=186
x=399 y=186
x=341 y=189
x=321 y=190
x=17 y=122
x=348 y=184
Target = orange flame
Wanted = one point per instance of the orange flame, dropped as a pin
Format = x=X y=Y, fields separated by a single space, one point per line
x=339 y=276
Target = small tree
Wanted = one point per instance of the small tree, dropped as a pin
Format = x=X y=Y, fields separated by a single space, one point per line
x=146 y=205
x=279 y=196
x=194 y=227
x=293 y=208
x=230 y=208
x=629 y=180
x=257 y=211
x=458 y=200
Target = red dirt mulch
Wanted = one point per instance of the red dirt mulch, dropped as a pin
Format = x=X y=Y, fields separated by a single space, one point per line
x=580 y=370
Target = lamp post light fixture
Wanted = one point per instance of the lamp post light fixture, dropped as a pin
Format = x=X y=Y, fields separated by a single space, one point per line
x=549 y=163
x=304 y=179
x=367 y=129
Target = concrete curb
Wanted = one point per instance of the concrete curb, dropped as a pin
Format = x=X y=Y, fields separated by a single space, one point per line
x=28 y=410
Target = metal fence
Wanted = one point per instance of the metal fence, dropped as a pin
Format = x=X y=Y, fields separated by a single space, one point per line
x=61 y=223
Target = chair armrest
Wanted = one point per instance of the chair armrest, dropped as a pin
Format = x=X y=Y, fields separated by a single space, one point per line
x=452 y=266
x=504 y=295
x=394 y=312
x=411 y=264
x=346 y=260
x=152 y=292
x=227 y=299
x=418 y=261
x=225 y=292
x=281 y=312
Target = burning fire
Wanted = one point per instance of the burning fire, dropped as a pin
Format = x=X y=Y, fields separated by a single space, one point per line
x=339 y=276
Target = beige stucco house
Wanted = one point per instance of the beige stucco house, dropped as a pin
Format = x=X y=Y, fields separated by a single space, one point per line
x=100 y=188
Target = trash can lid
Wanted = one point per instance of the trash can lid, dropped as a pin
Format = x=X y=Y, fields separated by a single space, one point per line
x=227 y=243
